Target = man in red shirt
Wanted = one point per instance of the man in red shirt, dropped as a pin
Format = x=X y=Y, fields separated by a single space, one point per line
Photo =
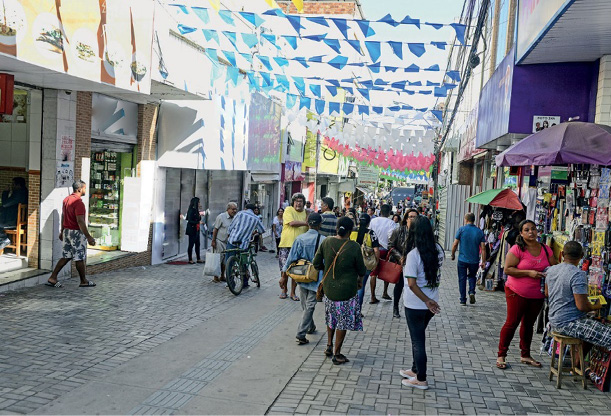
x=74 y=235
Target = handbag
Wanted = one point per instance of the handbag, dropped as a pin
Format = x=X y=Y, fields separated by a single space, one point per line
x=213 y=264
x=320 y=292
x=388 y=271
x=369 y=257
x=302 y=270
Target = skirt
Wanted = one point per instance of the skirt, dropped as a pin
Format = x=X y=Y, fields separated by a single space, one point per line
x=344 y=314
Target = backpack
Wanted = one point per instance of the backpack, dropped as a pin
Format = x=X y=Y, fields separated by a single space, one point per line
x=302 y=270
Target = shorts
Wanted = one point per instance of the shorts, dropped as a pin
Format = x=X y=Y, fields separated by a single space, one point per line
x=75 y=245
x=283 y=255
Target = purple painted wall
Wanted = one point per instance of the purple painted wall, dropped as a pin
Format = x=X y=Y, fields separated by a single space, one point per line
x=564 y=89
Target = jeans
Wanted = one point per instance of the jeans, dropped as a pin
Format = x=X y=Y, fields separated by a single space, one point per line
x=466 y=271
x=361 y=291
x=193 y=241
x=520 y=311
x=397 y=292
x=308 y=304
x=417 y=321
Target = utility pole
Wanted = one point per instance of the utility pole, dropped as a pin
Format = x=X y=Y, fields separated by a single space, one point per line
x=316 y=166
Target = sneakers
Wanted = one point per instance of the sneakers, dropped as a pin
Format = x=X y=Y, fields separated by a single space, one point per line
x=463 y=303
x=407 y=374
x=412 y=382
x=472 y=298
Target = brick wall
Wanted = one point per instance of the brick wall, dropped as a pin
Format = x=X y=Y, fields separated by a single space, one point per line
x=320 y=7
x=147 y=123
x=82 y=148
x=33 y=217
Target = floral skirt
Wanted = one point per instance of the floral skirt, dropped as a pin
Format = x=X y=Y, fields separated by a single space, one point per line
x=344 y=314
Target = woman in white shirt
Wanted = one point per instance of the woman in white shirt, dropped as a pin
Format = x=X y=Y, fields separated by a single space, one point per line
x=420 y=295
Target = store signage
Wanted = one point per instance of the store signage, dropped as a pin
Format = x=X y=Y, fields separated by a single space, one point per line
x=534 y=18
x=544 y=122
x=264 y=134
x=368 y=176
x=103 y=41
x=64 y=172
x=495 y=103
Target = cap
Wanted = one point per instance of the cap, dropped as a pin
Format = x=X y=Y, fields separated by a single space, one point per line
x=314 y=218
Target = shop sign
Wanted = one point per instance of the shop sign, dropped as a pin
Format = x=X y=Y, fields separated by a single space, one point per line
x=113 y=118
x=368 y=176
x=534 y=18
x=64 y=172
x=264 y=134
x=103 y=41
x=495 y=103
x=292 y=172
x=544 y=122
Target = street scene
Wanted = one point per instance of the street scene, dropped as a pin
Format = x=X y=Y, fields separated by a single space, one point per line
x=305 y=207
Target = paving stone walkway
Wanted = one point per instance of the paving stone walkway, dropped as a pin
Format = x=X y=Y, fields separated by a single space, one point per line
x=56 y=342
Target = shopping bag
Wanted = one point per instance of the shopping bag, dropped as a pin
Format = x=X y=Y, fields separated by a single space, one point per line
x=213 y=264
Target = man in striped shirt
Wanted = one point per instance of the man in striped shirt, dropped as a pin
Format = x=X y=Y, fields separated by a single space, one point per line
x=329 y=220
x=242 y=227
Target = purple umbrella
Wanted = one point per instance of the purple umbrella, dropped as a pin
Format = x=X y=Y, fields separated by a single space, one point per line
x=567 y=143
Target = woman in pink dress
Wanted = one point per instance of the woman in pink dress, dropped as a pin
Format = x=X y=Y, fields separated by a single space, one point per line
x=525 y=267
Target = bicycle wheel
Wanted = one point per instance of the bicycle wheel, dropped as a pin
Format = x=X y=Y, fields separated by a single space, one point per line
x=254 y=275
x=233 y=276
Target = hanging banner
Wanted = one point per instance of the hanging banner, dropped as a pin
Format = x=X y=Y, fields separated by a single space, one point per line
x=264 y=134
x=368 y=176
x=106 y=41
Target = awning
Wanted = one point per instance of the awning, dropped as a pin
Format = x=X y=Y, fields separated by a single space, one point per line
x=265 y=177
x=501 y=198
x=364 y=190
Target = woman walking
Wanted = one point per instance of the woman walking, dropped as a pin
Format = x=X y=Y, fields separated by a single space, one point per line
x=400 y=243
x=343 y=266
x=193 y=220
x=420 y=296
x=277 y=228
x=365 y=236
x=525 y=267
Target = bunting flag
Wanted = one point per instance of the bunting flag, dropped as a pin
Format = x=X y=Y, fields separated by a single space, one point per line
x=227 y=16
x=202 y=14
x=251 y=40
x=397 y=48
x=253 y=18
x=374 y=50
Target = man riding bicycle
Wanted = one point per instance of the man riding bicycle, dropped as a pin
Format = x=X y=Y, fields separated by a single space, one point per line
x=241 y=230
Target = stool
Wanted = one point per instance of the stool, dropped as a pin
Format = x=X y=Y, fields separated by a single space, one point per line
x=561 y=341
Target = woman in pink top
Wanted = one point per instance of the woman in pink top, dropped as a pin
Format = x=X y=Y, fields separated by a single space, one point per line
x=524 y=266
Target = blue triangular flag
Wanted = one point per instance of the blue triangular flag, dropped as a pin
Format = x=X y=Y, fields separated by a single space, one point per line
x=388 y=19
x=319 y=20
x=232 y=38
x=395 y=108
x=232 y=75
x=409 y=21
x=230 y=57
x=375 y=68
x=295 y=21
x=291 y=100
x=364 y=92
x=212 y=55
x=333 y=82
x=440 y=45
x=332 y=90
x=283 y=81
x=450 y=86
x=252 y=80
x=397 y=48
x=415 y=84
x=317 y=58
x=274 y=12
x=250 y=39
x=412 y=68
x=185 y=29
x=391 y=68
x=338 y=62
x=305 y=102
x=417 y=49
x=265 y=61
x=342 y=25
x=226 y=16
x=267 y=79
x=271 y=39
x=432 y=84
x=363 y=109
x=302 y=61
x=349 y=90
x=409 y=92
x=400 y=85
x=425 y=92
x=299 y=84
x=320 y=106
x=333 y=107
x=380 y=81
x=438 y=114
x=253 y=18
x=440 y=92
x=454 y=75
x=333 y=44
x=211 y=34
x=367 y=83
x=378 y=110
x=374 y=49
x=365 y=28
x=291 y=40
x=460 y=32
x=356 y=44
x=202 y=13
x=315 y=38
x=247 y=56
x=316 y=90
x=437 y=26
x=182 y=7
x=348 y=108
x=281 y=61
x=434 y=67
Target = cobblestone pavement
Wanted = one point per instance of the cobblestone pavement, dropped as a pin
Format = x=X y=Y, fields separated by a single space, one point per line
x=55 y=343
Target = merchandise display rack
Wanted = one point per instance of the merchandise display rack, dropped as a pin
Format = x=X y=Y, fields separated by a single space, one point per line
x=104 y=199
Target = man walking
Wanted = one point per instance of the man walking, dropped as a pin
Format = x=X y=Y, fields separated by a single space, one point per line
x=74 y=235
x=240 y=231
x=221 y=233
x=329 y=220
x=382 y=226
x=305 y=247
x=471 y=239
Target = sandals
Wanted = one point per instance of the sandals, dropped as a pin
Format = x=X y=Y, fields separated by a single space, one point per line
x=88 y=284
x=295 y=298
x=191 y=262
x=339 y=359
x=200 y=261
x=531 y=361
x=374 y=301
x=501 y=365
x=329 y=350
x=283 y=296
x=56 y=284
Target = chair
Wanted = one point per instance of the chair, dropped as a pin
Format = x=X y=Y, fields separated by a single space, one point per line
x=18 y=233
x=559 y=344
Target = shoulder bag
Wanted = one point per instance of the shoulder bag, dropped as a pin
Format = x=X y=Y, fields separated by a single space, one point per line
x=302 y=270
x=369 y=256
x=388 y=271
x=320 y=292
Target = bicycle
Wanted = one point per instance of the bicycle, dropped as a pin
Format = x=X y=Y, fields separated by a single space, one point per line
x=237 y=271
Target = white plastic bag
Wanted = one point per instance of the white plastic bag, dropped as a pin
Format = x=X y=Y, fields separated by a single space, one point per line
x=213 y=264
